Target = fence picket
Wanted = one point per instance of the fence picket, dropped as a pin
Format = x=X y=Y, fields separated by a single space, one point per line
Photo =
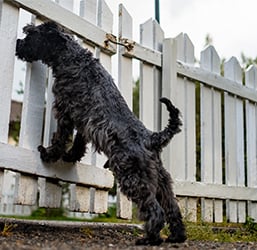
x=251 y=138
x=50 y=193
x=1 y=185
x=182 y=93
x=26 y=190
x=99 y=201
x=211 y=144
x=8 y=32
x=185 y=53
x=125 y=81
x=79 y=198
x=151 y=35
x=103 y=13
x=33 y=106
x=88 y=9
x=234 y=141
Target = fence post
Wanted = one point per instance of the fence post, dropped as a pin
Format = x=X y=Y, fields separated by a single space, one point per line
x=211 y=136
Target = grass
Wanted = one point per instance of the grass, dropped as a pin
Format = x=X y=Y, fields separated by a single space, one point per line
x=7 y=229
x=223 y=232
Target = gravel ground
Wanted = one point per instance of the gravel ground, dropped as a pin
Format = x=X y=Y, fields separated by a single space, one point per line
x=53 y=235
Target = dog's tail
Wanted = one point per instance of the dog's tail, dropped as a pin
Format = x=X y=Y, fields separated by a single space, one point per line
x=162 y=138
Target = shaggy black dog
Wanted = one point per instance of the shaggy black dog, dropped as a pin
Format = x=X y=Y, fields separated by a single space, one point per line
x=86 y=99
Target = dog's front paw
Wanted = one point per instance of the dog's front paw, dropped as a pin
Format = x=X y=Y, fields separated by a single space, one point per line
x=47 y=155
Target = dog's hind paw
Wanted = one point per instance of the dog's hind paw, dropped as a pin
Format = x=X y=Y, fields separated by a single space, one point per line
x=149 y=242
x=176 y=239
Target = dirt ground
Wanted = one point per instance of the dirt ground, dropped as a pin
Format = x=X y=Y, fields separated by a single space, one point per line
x=53 y=235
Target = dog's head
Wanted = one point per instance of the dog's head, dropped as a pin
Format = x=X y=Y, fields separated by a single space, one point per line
x=41 y=42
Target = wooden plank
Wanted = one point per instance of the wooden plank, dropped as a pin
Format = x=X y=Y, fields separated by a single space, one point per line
x=50 y=194
x=146 y=100
x=103 y=13
x=25 y=190
x=67 y=4
x=182 y=94
x=251 y=138
x=211 y=144
x=125 y=83
x=151 y=35
x=170 y=89
x=1 y=184
x=48 y=10
x=79 y=198
x=234 y=141
x=104 y=16
x=216 y=81
x=8 y=32
x=186 y=104
x=31 y=164
x=100 y=201
x=50 y=122
x=142 y=53
x=33 y=106
x=212 y=191
x=88 y=10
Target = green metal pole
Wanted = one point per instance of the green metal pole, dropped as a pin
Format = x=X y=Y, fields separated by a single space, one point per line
x=157 y=11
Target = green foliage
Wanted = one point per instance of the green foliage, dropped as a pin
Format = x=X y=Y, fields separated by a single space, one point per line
x=7 y=229
x=14 y=130
x=222 y=232
x=250 y=225
x=48 y=213
x=208 y=40
x=136 y=98
x=20 y=91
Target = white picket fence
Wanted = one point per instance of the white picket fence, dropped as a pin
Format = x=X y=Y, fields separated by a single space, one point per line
x=212 y=161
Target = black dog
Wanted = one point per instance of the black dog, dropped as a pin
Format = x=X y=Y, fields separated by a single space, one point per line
x=87 y=99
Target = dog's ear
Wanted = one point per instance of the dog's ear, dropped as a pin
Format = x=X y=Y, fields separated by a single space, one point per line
x=28 y=28
x=51 y=25
x=53 y=32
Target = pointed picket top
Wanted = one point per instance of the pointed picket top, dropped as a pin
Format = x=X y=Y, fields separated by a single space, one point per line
x=233 y=70
x=88 y=10
x=210 y=60
x=158 y=36
x=251 y=77
x=185 y=48
x=151 y=34
x=104 y=16
x=125 y=23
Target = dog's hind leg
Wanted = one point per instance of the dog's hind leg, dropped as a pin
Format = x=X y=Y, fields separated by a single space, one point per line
x=166 y=198
x=139 y=184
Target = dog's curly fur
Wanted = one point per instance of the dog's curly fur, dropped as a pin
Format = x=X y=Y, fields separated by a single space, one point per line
x=86 y=99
